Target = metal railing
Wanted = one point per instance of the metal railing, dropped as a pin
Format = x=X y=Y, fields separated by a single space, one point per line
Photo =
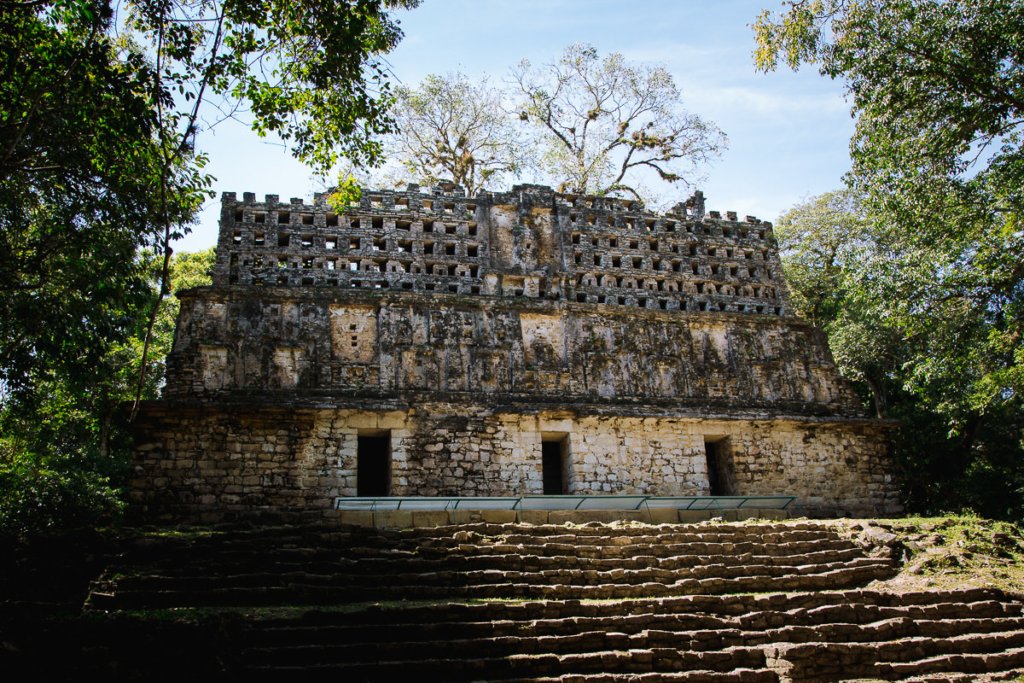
x=613 y=502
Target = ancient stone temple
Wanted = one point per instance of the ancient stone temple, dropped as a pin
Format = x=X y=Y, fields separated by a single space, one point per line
x=525 y=342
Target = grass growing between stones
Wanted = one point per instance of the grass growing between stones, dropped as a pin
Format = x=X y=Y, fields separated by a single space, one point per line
x=955 y=551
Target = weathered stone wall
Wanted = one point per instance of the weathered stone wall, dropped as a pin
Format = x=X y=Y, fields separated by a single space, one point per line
x=474 y=335
x=194 y=460
x=234 y=340
x=531 y=242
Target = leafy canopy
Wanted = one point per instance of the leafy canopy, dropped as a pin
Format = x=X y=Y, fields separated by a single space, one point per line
x=925 y=301
x=937 y=89
x=98 y=119
x=914 y=342
x=100 y=108
x=79 y=163
x=309 y=72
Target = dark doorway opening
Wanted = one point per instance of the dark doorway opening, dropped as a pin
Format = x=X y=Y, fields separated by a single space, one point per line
x=554 y=482
x=719 y=481
x=373 y=466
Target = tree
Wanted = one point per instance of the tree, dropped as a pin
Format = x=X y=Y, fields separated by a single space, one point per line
x=309 y=71
x=62 y=449
x=602 y=121
x=938 y=92
x=79 y=165
x=913 y=345
x=98 y=120
x=937 y=89
x=99 y=115
x=188 y=270
x=819 y=240
x=829 y=248
x=452 y=128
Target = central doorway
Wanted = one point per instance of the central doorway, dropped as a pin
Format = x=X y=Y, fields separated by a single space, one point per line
x=556 y=468
x=373 y=465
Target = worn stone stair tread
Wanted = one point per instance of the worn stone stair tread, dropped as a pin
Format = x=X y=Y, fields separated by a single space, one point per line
x=954 y=677
x=984 y=602
x=899 y=659
x=485 y=577
x=514 y=665
x=627 y=583
x=528 y=640
x=695 y=564
x=968 y=662
x=492 y=646
x=739 y=675
x=692 y=624
x=218 y=556
x=376 y=564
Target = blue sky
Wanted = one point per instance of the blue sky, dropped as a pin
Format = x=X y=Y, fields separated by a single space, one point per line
x=788 y=132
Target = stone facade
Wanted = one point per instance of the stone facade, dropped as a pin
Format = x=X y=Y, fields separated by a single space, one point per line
x=509 y=344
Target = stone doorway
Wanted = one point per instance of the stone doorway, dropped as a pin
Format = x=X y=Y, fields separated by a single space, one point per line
x=555 y=464
x=721 y=480
x=373 y=465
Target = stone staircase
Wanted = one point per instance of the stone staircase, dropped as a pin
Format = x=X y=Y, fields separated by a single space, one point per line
x=316 y=567
x=597 y=602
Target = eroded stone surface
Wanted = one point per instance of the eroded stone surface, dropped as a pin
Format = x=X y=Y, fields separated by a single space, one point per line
x=466 y=333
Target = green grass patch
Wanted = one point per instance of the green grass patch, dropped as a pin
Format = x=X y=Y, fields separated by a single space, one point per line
x=960 y=550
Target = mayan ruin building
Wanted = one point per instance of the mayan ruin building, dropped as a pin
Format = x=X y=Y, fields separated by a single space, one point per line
x=425 y=343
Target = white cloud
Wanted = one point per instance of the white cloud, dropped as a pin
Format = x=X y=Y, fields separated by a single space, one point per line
x=767 y=102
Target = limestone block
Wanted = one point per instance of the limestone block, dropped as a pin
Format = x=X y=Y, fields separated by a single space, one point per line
x=584 y=516
x=356 y=517
x=466 y=516
x=498 y=516
x=660 y=515
x=363 y=421
x=392 y=519
x=532 y=516
x=689 y=516
x=428 y=518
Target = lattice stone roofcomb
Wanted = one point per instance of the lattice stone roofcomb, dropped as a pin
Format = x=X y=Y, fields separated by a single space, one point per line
x=530 y=241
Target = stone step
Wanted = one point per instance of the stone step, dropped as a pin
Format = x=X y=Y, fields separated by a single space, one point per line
x=802 y=539
x=702 y=631
x=754 y=610
x=336 y=590
x=952 y=677
x=450 y=648
x=486 y=558
x=745 y=613
x=569 y=640
x=402 y=573
x=734 y=676
x=512 y=535
x=226 y=553
x=593 y=528
x=899 y=659
x=519 y=665
x=914 y=648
